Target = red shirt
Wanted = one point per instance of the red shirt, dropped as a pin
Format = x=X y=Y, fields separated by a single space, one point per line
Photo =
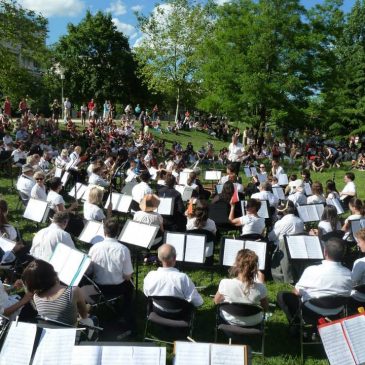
x=90 y=105
x=7 y=107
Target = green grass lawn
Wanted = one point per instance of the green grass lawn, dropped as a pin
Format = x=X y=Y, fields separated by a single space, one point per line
x=281 y=348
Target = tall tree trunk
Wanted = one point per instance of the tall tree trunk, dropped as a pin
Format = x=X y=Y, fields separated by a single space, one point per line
x=177 y=103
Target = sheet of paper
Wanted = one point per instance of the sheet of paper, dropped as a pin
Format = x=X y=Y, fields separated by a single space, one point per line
x=231 y=247
x=115 y=201
x=178 y=241
x=138 y=234
x=355 y=331
x=35 y=210
x=313 y=246
x=297 y=247
x=148 y=356
x=335 y=345
x=195 y=248
x=312 y=213
x=91 y=229
x=18 y=345
x=116 y=355
x=262 y=177
x=183 y=177
x=83 y=192
x=227 y=355
x=283 y=179
x=83 y=267
x=58 y=172
x=125 y=203
x=153 y=172
x=65 y=178
x=253 y=171
x=86 y=355
x=213 y=175
x=166 y=206
x=303 y=213
x=260 y=249
x=278 y=192
x=59 y=259
x=185 y=191
x=307 y=189
x=6 y=245
x=219 y=188
x=55 y=347
x=185 y=352
x=263 y=211
x=71 y=268
x=127 y=189
x=320 y=209
x=131 y=177
x=336 y=203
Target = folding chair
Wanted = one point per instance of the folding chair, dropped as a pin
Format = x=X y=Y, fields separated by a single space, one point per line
x=170 y=312
x=4 y=325
x=308 y=319
x=23 y=200
x=238 y=332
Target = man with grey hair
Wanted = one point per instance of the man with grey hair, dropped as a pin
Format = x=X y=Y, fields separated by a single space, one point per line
x=169 y=281
x=45 y=241
x=266 y=194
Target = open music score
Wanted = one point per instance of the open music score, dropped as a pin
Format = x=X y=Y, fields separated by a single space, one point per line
x=120 y=202
x=209 y=354
x=185 y=191
x=93 y=232
x=249 y=171
x=213 y=175
x=6 y=245
x=79 y=191
x=65 y=178
x=304 y=247
x=307 y=189
x=337 y=204
x=283 y=179
x=138 y=234
x=344 y=340
x=36 y=210
x=166 y=206
x=230 y=248
x=127 y=189
x=263 y=212
x=310 y=212
x=278 y=191
x=356 y=225
x=189 y=247
x=183 y=177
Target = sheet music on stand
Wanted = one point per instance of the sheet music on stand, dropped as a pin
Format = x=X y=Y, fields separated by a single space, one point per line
x=80 y=191
x=356 y=225
x=247 y=171
x=213 y=175
x=58 y=172
x=344 y=340
x=307 y=189
x=131 y=177
x=304 y=247
x=120 y=202
x=6 y=245
x=209 y=354
x=219 y=188
x=310 y=212
x=230 y=248
x=283 y=179
x=185 y=191
x=138 y=234
x=189 y=247
x=65 y=178
x=278 y=191
x=183 y=177
x=263 y=212
x=93 y=232
x=166 y=206
x=69 y=263
x=36 y=210
x=153 y=172
x=127 y=189
x=337 y=204
x=261 y=177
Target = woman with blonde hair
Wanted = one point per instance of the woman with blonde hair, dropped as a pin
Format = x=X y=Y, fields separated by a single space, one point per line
x=245 y=286
x=39 y=189
x=92 y=210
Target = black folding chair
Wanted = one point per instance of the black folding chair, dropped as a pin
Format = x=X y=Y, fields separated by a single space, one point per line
x=170 y=312
x=240 y=332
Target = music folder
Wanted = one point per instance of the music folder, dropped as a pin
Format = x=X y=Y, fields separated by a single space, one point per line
x=58 y=172
x=6 y=245
x=230 y=248
x=65 y=178
x=166 y=206
x=185 y=191
x=213 y=175
x=195 y=353
x=69 y=263
x=263 y=212
x=93 y=232
x=183 y=177
x=344 y=340
x=261 y=177
x=278 y=191
x=127 y=189
x=310 y=212
x=36 y=210
x=304 y=247
x=337 y=204
x=138 y=234
x=307 y=189
x=120 y=202
x=189 y=247
x=79 y=191
x=247 y=171
x=283 y=179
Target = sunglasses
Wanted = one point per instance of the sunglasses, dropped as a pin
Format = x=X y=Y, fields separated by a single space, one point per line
x=39 y=178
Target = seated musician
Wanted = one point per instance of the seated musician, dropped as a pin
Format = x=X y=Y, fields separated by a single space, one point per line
x=328 y=278
x=92 y=205
x=357 y=210
x=245 y=286
x=53 y=299
x=62 y=160
x=317 y=197
x=55 y=199
x=349 y=191
x=74 y=159
x=298 y=197
x=141 y=189
x=169 y=281
x=6 y=230
x=39 y=189
x=266 y=194
x=233 y=177
x=96 y=177
x=26 y=182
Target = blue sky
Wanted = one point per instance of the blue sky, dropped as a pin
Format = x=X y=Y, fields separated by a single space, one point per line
x=62 y=12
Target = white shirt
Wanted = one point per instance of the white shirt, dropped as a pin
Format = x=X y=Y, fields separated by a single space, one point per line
x=328 y=278
x=148 y=218
x=169 y=281
x=111 y=262
x=54 y=199
x=289 y=224
x=325 y=227
x=238 y=186
x=97 y=180
x=349 y=188
x=279 y=171
x=235 y=151
x=18 y=155
x=45 y=241
x=298 y=198
x=7 y=140
x=252 y=224
x=25 y=184
x=266 y=195
x=316 y=199
x=140 y=190
x=74 y=160
x=358 y=278
x=38 y=192
x=92 y=212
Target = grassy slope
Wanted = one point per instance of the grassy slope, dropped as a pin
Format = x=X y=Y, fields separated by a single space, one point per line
x=281 y=348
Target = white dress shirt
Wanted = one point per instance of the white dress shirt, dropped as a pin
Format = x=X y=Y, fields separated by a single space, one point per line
x=111 y=262
x=169 y=281
x=45 y=241
x=38 y=192
x=289 y=224
x=93 y=213
x=235 y=151
x=54 y=199
x=140 y=190
x=252 y=224
x=298 y=198
x=349 y=188
x=266 y=195
x=25 y=184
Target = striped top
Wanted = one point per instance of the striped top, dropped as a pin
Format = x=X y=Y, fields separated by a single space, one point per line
x=61 y=309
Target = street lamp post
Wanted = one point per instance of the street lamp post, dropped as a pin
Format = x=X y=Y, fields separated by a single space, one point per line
x=59 y=70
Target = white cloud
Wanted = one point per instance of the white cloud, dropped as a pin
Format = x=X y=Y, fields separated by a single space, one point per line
x=127 y=29
x=49 y=8
x=117 y=8
x=137 y=7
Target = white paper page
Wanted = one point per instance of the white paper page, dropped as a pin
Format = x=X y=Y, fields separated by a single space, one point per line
x=116 y=355
x=18 y=345
x=283 y=179
x=231 y=247
x=355 y=332
x=303 y=213
x=60 y=257
x=213 y=175
x=91 y=229
x=6 y=245
x=227 y=355
x=138 y=234
x=127 y=190
x=58 y=172
x=335 y=345
x=65 y=178
x=253 y=171
x=307 y=189
x=297 y=247
x=125 y=203
x=186 y=352
x=278 y=192
x=313 y=246
x=132 y=176
x=183 y=178
x=71 y=267
x=320 y=209
x=83 y=192
x=86 y=355
x=263 y=212
x=148 y=356
x=166 y=206
x=312 y=213
x=55 y=347
x=262 y=177
x=153 y=172
x=219 y=188
x=35 y=210
x=115 y=200
x=74 y=190
x=185 y=191
x=178 y=241
x=260 y=249
x=247 y=171
x=195 y=248
x=336 y=203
